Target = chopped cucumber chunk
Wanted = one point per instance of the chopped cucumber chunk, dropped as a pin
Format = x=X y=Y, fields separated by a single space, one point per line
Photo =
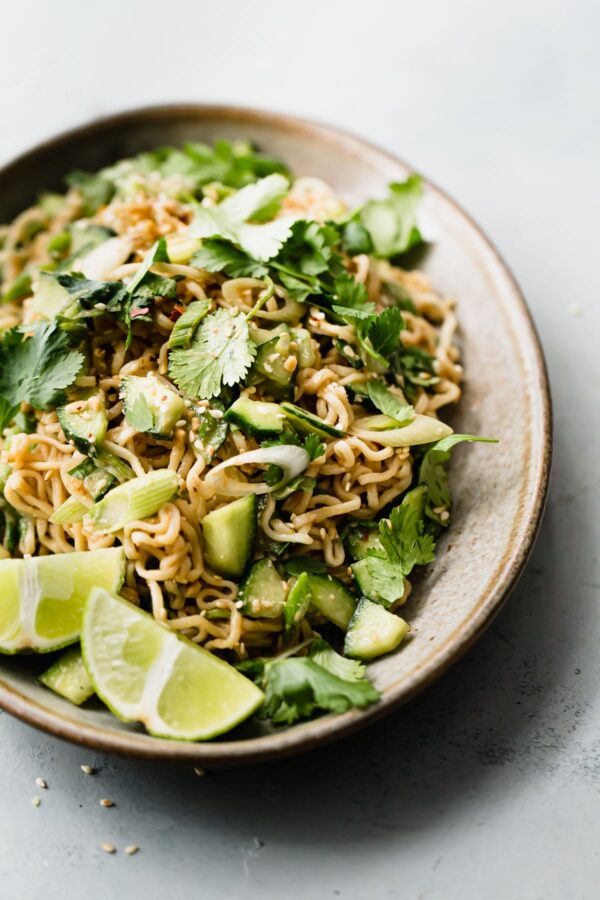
x=259 y=419
x=306 y=352
x=69 y=678
x=297 y=603
x=332 y=598
x=271 y=366
x=151 y=405
x=373 y=631
x=309 y=424
x=101 y=474
x=84 y=422
x=229 y=536
x=263 y=592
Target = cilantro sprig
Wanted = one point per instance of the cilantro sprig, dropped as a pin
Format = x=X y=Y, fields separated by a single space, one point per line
x=389 y=404
x=405 y=545
x=220 y=353
x=433 y=475
x=297 y=687
x=37 y=365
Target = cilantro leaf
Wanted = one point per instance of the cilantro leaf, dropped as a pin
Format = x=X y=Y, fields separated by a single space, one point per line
x=308 y=262
x=156 y=253
x=230 y=219
x=273 y=474
x=389 y=404
x=384 y=332
x=392 y=223
x=216 y=255
x=37 y=366
x=312 y=443
x=433 y=474
x=352 y=297
x=221 y=352
x=297 y=687
x=417 y=369
x=405 y=546
x=8 y=411
x=355 y=238
x=324 y=655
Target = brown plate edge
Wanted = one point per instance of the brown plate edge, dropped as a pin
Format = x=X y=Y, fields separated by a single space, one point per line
x=309 y=735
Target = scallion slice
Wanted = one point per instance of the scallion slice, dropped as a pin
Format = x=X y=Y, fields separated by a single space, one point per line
x=136 y=499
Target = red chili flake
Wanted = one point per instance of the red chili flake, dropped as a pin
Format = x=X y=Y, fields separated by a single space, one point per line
x=176 y=312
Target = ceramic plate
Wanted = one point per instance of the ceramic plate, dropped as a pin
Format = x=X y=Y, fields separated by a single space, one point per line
x=499 y=491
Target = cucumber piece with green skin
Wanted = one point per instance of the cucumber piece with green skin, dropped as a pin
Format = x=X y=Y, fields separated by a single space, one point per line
x=255 y=417
x=373 y=631
x=332 y=599
x=84 y=422
x=306 y=353
x=269 y=367
x=96 y=480
x=361 y=539
x=160 y=404
x=305 y=421
x=297 y=603
x=263 y=592
x=229 y=534
x=68 y=677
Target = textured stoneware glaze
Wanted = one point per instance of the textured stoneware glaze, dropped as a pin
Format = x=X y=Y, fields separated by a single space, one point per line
x=499 y=490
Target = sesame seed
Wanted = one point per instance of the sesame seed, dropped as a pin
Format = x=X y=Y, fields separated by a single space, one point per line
x=106 y=803
x=87 y=770
x=198 y=771
x=444 y=516
x=131 y=849
x=108 y=848
x=36 y=801
x=180 y=423
x=41 y=783
x=99 y=305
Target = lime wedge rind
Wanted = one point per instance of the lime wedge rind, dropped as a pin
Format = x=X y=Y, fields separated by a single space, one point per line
x=42 y=598
x=182 y=692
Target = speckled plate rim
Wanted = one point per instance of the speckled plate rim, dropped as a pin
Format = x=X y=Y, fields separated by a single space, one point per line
x=308 y=735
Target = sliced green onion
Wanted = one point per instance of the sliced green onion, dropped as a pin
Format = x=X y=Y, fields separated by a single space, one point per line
x=72 y=510
x=383 y=430
x=136 y=499
x=291 y=460
x=186 y=324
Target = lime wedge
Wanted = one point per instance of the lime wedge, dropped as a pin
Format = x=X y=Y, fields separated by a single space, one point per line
x=42 y=598
x=144 y=672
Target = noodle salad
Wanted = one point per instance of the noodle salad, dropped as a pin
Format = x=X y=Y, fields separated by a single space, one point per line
x=221 y=457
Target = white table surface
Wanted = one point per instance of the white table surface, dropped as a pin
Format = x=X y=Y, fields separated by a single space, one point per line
x=487 y=786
